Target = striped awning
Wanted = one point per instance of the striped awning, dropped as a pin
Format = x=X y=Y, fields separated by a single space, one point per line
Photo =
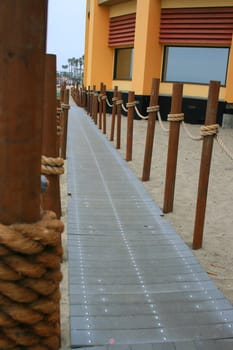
x=212 y=26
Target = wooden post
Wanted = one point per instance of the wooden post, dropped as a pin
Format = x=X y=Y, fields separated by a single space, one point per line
x=88 y=94
x=104 y=109
x=174 y=131
x=130 y=117
x=22 y=59
x=100 y=105
x=51 y=199
x=65 y=108
x=95 y=107
x=207 y=147
x=113 y=114
x=118 y=129
x=150 y=130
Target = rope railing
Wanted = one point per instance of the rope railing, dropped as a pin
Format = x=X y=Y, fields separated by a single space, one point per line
x=176 y=118
x=224 y=147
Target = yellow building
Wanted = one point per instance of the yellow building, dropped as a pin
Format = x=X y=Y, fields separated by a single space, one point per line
x=130 y=42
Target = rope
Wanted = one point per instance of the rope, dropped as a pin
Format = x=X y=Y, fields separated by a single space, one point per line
x=131 y=104
x=150 y=109
x=208 y=130
x=29 y=284
x=123 y=107
x=224 y=147
x=139 y=114
x=161 y=123
x=65 y=106
x=108 y=103
x=194 y=138
x=59 y=130
x=52 y=166
x=175 y=117
x=119 y=102
x=100 y=97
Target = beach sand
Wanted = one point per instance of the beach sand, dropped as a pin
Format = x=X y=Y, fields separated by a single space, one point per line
x=216 y=256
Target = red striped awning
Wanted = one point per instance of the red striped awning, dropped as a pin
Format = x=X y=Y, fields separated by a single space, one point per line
x=212 y=25
x=121 y=30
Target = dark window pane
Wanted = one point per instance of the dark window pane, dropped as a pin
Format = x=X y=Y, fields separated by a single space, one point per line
x=195 y=64
x=123 y=64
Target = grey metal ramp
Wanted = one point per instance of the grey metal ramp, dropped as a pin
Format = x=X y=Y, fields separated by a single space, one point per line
x=133 y=283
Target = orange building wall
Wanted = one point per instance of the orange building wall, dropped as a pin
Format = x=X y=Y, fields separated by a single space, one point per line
x=98 y=56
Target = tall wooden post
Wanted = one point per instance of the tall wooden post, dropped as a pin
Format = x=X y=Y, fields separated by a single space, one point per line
x=130 y=116
x=207 y=147
x=65 y=108
x=118 y=128
x=95 y=107
x=104 y=110
x=150 y=130
x=173 y=143
x=51 y=199
x=113 y=113
x=100 y=105
x=22 y=49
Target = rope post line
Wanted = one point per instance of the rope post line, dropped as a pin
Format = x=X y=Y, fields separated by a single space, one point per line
x=130 y=117
x=173 y=143
x=65 y=107
x=100 y=105
x=150 y=130
x=111 y=138
x=118 y=126
x=104 y=109
x=207 y=147
x=51 y=199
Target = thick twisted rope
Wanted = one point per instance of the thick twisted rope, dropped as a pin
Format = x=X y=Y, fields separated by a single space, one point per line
x=65 y=106
x=161 y=123
x=108 y=103
x=224 y=147
x=52 y=166
x=29 y=284
x=150 y=109
x=175 y=117
x=208 y=130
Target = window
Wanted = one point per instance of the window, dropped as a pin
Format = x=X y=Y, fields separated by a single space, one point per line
x=195 y=64
x=123 y=63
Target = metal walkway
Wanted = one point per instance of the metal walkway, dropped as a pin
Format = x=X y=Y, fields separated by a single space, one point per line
x=134 y=284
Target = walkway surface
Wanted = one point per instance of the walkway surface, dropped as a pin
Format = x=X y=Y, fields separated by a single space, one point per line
x=133 y=283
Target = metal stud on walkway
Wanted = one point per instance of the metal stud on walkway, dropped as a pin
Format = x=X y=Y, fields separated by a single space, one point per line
x=133 y=283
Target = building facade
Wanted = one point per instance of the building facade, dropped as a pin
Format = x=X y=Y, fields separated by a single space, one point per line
x=130 y=42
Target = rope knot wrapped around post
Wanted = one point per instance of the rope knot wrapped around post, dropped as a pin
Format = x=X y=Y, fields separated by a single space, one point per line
x=208 y=130
x=175 y=117
x=29 y=284
x=52 y=166
x=152 y=109
x=65 y=106
x=119 y=102
x=132 y=104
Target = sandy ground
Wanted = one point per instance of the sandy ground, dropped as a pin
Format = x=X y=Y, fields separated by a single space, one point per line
x=216 y=256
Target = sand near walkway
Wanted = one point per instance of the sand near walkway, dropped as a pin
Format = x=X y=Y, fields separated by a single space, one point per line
x=216 y=256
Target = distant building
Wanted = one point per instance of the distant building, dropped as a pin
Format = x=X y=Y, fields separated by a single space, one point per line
x=130 y=42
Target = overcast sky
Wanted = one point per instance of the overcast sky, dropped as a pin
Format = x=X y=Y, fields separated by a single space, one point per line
x=66 y=29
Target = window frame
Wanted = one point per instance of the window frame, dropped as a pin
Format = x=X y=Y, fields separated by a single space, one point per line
x=116 y=50
x=165 y=64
